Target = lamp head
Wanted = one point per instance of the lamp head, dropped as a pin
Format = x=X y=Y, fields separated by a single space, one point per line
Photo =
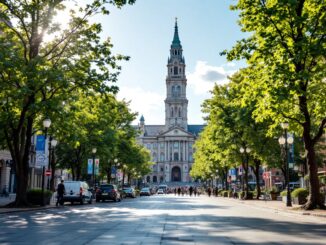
x=242 y=150
x=281 y=140
x=54 y=142
x=94 y=150
x=290 y=140
x=46 y=123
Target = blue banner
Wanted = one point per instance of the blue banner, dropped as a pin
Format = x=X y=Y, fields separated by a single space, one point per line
x=90 y=166
x=233 y=171
x=41 y=159
x=40 y=143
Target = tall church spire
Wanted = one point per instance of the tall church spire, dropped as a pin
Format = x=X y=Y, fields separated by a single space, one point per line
x=176 y=41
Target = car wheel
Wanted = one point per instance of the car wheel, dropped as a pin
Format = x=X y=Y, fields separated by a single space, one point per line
x=82 y=201
x=97 y=200
x=90 y=201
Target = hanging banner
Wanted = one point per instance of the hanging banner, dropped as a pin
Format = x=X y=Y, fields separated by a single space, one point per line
x=41 y=159
x=97 y=166
x=90 y=166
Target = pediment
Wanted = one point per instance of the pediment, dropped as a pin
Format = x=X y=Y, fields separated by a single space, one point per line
x=176 y=131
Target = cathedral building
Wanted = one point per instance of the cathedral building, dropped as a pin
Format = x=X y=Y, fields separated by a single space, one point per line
x=171 y=144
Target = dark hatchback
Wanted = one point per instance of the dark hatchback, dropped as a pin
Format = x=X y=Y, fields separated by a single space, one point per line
x=107 y=192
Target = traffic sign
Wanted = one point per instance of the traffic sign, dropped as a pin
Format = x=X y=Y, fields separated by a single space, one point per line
x=48 y=172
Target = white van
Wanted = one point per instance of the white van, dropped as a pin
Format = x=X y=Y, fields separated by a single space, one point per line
x=77 y=191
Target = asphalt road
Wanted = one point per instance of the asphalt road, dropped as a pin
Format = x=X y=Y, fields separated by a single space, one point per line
x=164 y=219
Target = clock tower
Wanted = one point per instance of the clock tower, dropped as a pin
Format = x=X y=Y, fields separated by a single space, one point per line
x=176 y=103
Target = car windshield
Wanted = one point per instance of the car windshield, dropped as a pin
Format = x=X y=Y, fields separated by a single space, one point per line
x=145 y=189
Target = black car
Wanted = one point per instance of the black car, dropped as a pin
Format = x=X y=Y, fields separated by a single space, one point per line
x=107 y=192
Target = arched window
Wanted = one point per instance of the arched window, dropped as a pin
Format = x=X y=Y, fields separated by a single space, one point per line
x=178 y=90
x=175 y=70
x=179 y=112
x=154 y=179
x=148 y=179
x=161 y=179
x=174 y=91
x=171 y=111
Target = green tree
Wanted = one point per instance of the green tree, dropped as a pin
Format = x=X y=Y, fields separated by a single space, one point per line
x=286 y=54
x=37 y=75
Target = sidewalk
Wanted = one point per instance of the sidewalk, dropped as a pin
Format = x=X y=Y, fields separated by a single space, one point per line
x=6 y=200
x=279 y=206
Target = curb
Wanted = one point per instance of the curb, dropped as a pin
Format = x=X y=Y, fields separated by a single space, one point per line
x=306 y=213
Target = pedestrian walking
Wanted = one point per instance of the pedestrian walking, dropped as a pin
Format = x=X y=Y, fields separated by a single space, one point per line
x=179 y=191
x=209 y=191
x=195 y=191
x=175 y=191
x=191 y=189
x=60 y=191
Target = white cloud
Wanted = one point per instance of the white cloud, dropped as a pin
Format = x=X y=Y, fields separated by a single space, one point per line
x=202 y=80
x=147 y=103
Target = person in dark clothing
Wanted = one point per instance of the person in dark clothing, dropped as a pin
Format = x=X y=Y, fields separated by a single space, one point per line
x=209 y=191
x=191 y=189
x=179 y=191
x=60 y=191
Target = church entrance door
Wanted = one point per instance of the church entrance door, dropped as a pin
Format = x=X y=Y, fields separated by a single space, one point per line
x=176 y=174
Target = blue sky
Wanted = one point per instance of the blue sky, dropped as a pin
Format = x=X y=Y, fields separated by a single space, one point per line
x=144 y=32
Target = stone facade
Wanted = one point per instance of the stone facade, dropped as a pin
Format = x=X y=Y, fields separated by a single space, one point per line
x=171 y=145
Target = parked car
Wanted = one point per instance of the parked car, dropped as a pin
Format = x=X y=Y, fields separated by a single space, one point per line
x=77 y=191
x=160 y=191
x=145 y=192
x=107 y=192
x=129 y=192
x=163 y=187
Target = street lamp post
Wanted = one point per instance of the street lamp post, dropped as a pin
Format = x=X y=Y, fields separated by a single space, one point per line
x=46 y=125
x=115 y=173
x=285 y=140
x=52 y=143
x=93 y=169
x=245 y=151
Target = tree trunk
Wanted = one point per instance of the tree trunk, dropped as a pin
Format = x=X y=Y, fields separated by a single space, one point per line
x=256 y=171
x=246 y=167
x=20 y=149
x=78 y=169
x=225 y=173
x=108 y=172
x=283 y=169
x=314 y=199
